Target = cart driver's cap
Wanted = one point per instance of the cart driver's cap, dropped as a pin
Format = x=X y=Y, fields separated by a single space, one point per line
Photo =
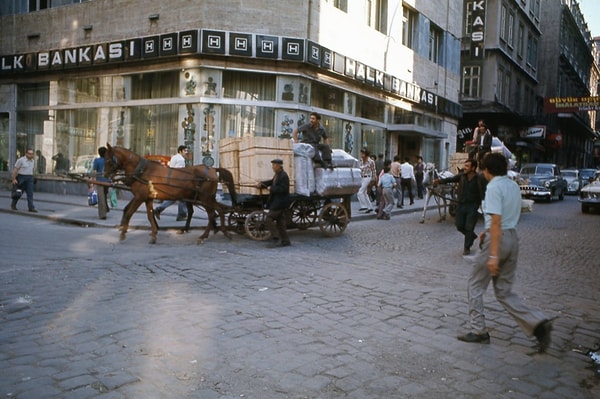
x=277 y=161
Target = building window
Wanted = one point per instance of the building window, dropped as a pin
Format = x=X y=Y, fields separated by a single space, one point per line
x=506 y=88
x=469 y=18
x=249 y=86
x=341 y=4
x=377 y=15
x=510 y=29
x=532 y=44
x=435 y=43
x=471 y=79
x=520 y=38
x=500 y=85
x=503 y=22
x=409 y=26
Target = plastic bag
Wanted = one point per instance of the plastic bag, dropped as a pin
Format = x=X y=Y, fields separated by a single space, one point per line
x=93 y=198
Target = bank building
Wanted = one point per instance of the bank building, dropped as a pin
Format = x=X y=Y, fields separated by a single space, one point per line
x=152 y=75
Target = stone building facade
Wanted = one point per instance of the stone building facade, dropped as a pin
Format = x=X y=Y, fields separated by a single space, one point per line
x=151 y=75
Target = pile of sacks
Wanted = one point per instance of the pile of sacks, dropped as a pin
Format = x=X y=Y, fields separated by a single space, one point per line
x=343 y=179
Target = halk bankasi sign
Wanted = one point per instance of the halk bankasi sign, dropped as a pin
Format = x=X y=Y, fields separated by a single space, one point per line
x=554 y=105
x=222 y=43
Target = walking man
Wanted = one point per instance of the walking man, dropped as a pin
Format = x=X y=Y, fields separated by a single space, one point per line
x=22 y=179
x=407 y=175
x=471 y=191
x=497 y=260
x=278 y=203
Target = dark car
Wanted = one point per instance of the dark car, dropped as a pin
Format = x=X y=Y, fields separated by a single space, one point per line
x=542 y=181
x=587 y=175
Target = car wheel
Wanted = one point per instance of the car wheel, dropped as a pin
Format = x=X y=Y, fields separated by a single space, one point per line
x=585 y=208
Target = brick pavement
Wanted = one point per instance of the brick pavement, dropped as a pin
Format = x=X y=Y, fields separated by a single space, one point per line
x=371 y=314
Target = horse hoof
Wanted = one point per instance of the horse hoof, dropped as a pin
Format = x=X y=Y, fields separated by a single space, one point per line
x=199 y=241
x=422 y=221
x=182 y=231
x=152 y=240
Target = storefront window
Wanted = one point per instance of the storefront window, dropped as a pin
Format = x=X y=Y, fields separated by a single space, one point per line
x=327 y=97
x=249 y=86
x=246 y=120
x=372 y=138
x=155 y=85
x=33 y=94
x=370 y=109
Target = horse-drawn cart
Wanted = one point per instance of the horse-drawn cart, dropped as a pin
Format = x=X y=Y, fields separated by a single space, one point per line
x=319 y=196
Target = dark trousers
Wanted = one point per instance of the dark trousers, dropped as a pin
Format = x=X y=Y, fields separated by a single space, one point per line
x=25 y=183
x=420 y=189
x=466 y=219
x=406 y=184
x=276 y=222
x=322 y=152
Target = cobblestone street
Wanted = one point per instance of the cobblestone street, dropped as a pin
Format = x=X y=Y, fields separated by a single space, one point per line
x=371 y=314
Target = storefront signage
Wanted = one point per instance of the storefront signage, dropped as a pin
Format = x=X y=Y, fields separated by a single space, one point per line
x=553 y=105
x=477 y=27
x=213 y=42
x=534 y=132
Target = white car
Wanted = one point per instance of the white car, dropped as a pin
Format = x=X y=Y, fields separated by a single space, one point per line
x=589 y=195
x=573 y=180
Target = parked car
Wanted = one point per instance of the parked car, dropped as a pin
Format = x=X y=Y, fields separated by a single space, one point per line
x=542 y=181
x=573 y=180
x=587 y=175
x=589 y=196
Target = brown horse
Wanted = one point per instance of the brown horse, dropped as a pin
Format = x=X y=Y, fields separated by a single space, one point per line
x=150 y=180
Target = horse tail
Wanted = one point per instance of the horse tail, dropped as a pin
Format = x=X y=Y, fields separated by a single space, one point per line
x=227 y=177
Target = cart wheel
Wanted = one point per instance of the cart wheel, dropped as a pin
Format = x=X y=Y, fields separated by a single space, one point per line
x=333 y=219
x=256 y=226
x=304 y=213
x=237 y=221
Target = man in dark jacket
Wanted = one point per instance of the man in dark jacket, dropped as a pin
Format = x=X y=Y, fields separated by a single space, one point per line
x=471 y=191
x=278 y=203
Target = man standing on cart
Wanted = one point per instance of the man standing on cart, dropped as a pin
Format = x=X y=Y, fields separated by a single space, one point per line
x=312 y=132
x=278 y=203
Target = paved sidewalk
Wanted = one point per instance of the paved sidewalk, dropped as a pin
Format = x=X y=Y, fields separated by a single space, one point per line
x=74 y=209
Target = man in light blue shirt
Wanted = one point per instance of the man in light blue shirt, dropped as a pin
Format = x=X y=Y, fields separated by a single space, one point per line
x=497 y=260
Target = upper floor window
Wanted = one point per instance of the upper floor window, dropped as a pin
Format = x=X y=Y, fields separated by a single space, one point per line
x=471 y=79
x=503 y=22
x=409 y=26
x=341 y=4
x=435 y=43
x=532 y=48
x=377 y=15
x=469 y=18
x=520 y=39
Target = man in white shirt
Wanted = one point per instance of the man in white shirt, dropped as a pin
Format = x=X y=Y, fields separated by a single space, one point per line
x=407 y=175
x=177 y=161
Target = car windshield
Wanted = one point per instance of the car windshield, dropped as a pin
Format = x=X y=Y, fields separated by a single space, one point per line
x=587 y=173
x=569 y=173
x=528 y=170
x=543 y=170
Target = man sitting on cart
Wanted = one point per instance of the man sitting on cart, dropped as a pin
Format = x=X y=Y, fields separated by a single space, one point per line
x=312 y=132
x=278 y=203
